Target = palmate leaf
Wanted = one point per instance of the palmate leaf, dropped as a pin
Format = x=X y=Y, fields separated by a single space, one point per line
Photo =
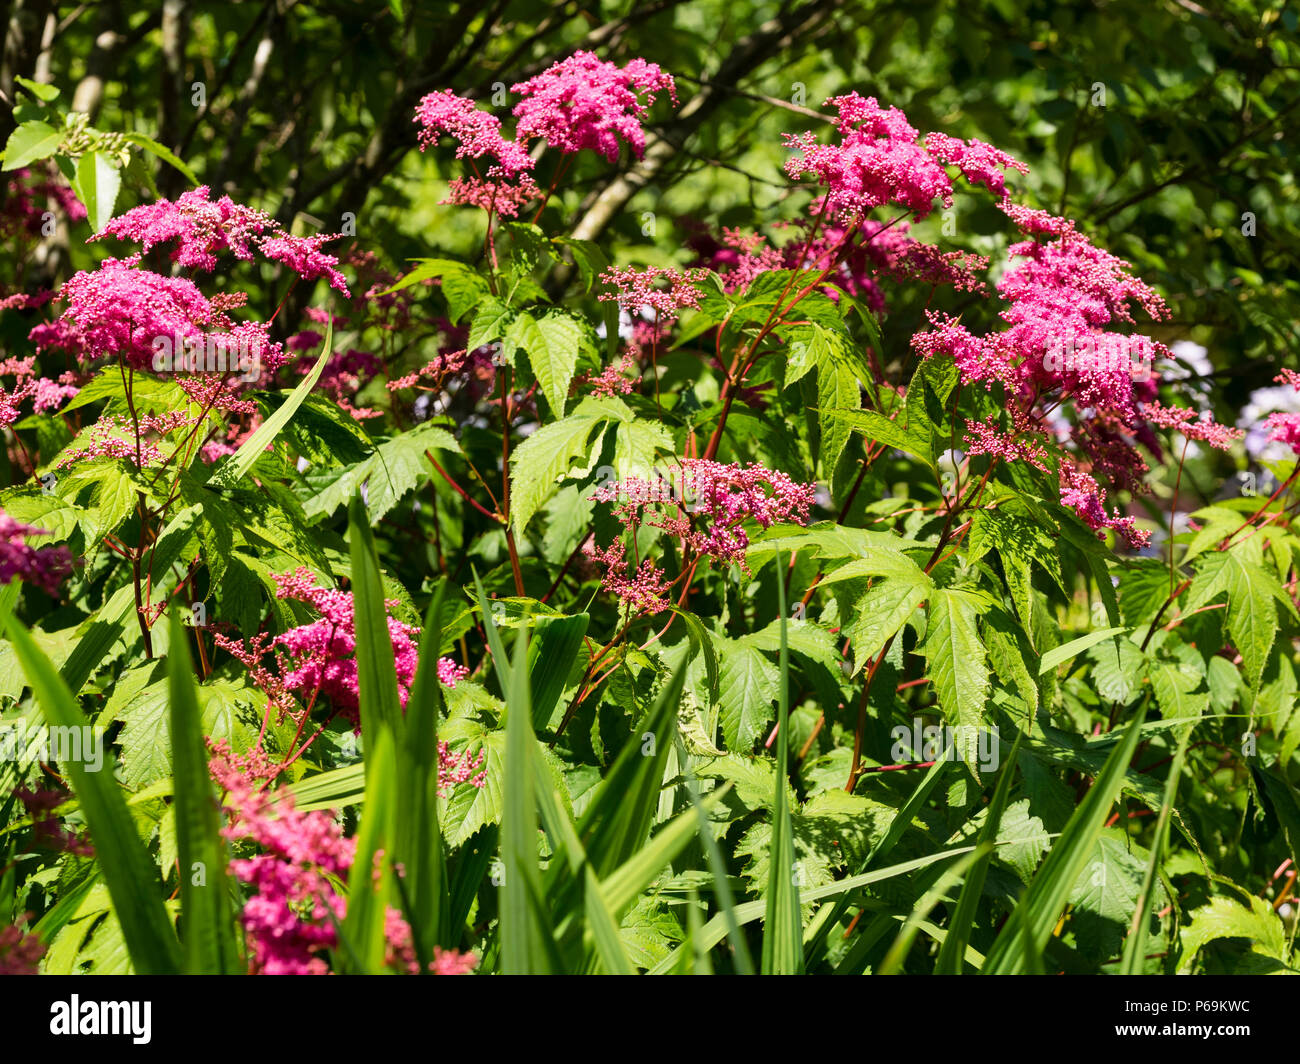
x=97 y=184
x=1253 y=594
x=837 y=389
x=397 y=466
x=489 y=323
x=815 y=939
x=1225 y=917
x=829 y=540
x=747 y=689
x=1176 y=690
x=881 y=429
x=467 y=809
x=1021 y=543
x=425 y=270
x=1105 y=898
x=931 y=385
x=899 y=587
x=553 y=343
x=637 y=444
x=29 y=143
x=541 y=460
x=815 y=647
x=956 y=663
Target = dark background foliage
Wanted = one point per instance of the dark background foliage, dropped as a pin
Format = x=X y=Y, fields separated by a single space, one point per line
x=308 y=113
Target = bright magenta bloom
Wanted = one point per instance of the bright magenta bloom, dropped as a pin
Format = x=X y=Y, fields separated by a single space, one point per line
x=877 y=161
x=582 y=102
x=477 y=133
x=323 y=652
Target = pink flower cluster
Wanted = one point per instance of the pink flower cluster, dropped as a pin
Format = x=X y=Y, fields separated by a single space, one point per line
x=578 y=103
x=202 y=229
x=291 y=918
x=505 y=198
x=477 y=133
x=323 y=653
x=1080 y=492
x=980 y=163
x=707 y=513
x=137 y=441
x=639 y=290
x=43 y=567
x=506 y=184
x=582 y=102
x=122 y=312
x=728 y=495
x=613 y=379
x=1193 y=425
x=877 y=161
x=45 y=394
x=48 y=829
x=320 y=659
x=1066 y=295
x=642 y=587
x=450 y=673
x=884 y=251
x=288 y=918
x=22 y=216
x=1285 y=428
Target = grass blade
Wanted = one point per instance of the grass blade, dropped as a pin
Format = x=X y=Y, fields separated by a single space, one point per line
x=603 y=928
x=370 y=881
x=527 y=938
x=925 y=905
x=1027 y=932
x=617 y=822
x=717 y=867
x=551 y=656
x=953 y=950
x=419 y=838
x=831 y=915
x=206 y=919
x=715 y=930
x=783 y=927
x=129 y=871
x=381 y=708
x=627 y=882
x=1135 y=943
